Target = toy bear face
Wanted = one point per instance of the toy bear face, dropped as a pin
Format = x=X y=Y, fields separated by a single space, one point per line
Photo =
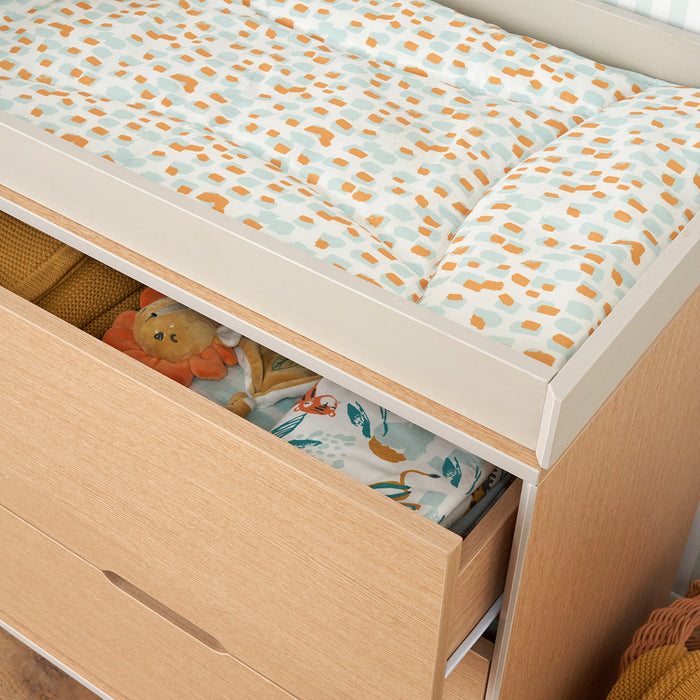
x=170 y=331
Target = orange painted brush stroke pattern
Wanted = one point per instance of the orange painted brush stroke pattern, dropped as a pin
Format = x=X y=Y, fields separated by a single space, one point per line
x=380 y=137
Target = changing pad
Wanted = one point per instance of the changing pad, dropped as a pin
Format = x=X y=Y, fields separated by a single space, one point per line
x=513 y=187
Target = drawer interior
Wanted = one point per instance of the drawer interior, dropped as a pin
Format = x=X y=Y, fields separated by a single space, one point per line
x=483 y=565
x=164 y=489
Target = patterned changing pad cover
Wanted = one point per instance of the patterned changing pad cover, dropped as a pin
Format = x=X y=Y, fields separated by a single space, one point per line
x=513 y=187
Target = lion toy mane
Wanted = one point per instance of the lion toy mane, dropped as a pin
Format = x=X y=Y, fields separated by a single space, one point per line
x=173 y=339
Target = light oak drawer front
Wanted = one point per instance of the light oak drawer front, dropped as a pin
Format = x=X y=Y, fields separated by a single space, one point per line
x=287 y=563
x=72 y=611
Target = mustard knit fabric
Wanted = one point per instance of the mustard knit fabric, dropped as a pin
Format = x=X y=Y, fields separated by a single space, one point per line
x=669 y=672
x=62 y=280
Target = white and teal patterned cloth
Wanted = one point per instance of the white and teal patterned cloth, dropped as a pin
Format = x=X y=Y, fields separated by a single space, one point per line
x=221 y=390
x=477 y=173
x=544 y=255
x=378 y=448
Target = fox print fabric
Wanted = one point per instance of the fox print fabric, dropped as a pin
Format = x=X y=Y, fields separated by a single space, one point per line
x=378 y=448
x=515 y=188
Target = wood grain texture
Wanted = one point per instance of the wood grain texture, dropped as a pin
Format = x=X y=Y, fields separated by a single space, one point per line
x=72 y=611
x=610 y=522
x=290 y=564
x=483 y=565
x=468 y=680
x=24 y=675
x=600 y=364
x=309 y=351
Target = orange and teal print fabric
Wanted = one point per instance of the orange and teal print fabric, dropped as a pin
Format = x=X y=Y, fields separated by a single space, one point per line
x=370 y=134
x=393 y=456
x=546 y=254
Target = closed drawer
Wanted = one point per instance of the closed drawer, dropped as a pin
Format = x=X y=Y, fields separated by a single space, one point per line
x=296 y=571
x=75 y=613
x=469 y=678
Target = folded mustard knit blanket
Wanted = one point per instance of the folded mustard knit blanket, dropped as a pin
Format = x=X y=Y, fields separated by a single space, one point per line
x=62 y=280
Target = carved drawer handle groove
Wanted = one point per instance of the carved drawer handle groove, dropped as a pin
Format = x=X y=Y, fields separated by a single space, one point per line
x=165 y=612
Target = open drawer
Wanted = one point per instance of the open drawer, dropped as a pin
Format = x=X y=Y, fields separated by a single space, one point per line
x=286 y=566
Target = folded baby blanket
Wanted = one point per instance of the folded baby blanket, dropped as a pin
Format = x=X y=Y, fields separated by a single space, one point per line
x=397 y=458
x=62 y=280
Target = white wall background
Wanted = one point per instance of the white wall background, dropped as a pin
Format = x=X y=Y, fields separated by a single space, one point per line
x=679 y=13
x=690 y=566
